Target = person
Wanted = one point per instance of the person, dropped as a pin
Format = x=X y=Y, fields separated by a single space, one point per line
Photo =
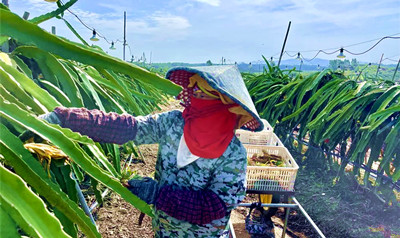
x=200 y=173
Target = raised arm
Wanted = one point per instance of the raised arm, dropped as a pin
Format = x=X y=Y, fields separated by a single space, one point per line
x=98 y=125
x=113 y=127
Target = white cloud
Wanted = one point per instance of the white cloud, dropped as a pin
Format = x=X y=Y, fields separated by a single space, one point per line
x=114 y=7
x=39 y=7
x=214 y=3
x=253 y=2
x=170 y=22
x=87 y=16
x=161 y=26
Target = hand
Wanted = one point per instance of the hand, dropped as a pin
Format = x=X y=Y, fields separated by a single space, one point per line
x=146 y=189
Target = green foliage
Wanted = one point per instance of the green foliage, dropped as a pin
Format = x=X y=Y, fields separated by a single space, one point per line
x=31 y=34
x=47 y=16
x=17 y=196
x=30 y=170
x=44 y=71
x=333 y=112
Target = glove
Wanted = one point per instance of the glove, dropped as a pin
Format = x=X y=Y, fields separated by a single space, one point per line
x=146 y=189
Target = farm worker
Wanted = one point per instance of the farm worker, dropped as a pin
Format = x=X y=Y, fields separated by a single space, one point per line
x=200 y=172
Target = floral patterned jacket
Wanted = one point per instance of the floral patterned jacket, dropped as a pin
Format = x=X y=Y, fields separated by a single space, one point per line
x=221 y=179
x=225 y=176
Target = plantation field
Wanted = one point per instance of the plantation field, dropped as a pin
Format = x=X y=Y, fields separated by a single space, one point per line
x=341 y=125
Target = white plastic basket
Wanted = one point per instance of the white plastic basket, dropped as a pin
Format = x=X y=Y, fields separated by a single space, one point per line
x=258 y=138
x=267 y=178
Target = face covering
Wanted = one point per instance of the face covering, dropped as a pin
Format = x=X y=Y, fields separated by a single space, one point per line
x=209 y=127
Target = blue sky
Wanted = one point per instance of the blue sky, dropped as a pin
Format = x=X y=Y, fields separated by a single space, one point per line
x=195 y=31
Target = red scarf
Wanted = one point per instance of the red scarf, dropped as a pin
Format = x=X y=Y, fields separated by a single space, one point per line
x=208 y=127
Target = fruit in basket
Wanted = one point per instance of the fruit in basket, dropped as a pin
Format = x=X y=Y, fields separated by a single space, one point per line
x=266 y=159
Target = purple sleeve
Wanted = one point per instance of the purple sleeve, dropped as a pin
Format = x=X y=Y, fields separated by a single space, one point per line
x=99 y=126
x=197 y=207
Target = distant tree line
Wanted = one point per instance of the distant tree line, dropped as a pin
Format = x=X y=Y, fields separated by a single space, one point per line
x=344 y=64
